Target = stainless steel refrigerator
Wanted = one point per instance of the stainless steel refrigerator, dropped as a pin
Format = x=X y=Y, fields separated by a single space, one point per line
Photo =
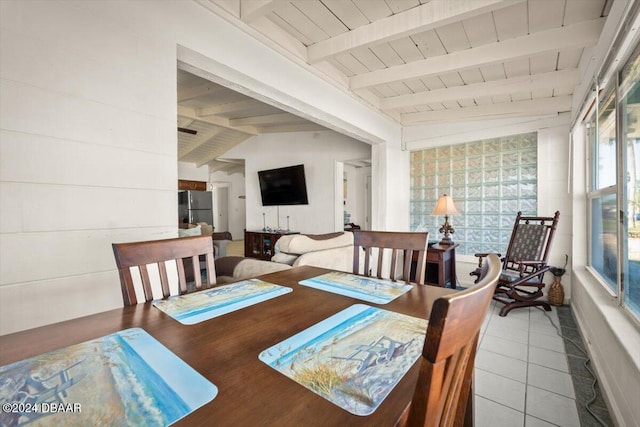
x=195 y=206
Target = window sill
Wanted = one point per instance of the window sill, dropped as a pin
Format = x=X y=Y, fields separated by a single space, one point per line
x=621 y=324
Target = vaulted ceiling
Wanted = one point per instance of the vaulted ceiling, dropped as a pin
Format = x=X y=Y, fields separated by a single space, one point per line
x=417 y=61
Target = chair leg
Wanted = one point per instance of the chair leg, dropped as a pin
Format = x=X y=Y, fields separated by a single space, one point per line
x=517 y=304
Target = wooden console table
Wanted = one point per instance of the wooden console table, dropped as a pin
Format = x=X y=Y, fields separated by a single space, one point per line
x=261 y=244
x=441 y=265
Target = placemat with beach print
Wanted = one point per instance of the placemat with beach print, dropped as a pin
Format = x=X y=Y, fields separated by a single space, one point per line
x=204 y=305
x=370 y=289
x=353 y=358
x=125 y=378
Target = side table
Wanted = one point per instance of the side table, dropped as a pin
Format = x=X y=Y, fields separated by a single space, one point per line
x=441 y=265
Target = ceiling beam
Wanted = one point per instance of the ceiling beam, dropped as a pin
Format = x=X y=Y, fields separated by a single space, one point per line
x=193 y=92
x=553 y=80
x=227 y=147
x=191 y=113
x=270 y=119
x=431 y=15
x=184 y=153
x=582 y=34
x=183 y=122
x=534 y=107
x=253 y=9
x=300 y=127
x=230 y=107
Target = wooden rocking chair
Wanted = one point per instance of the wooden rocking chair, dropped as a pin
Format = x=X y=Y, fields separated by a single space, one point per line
x=525 y=263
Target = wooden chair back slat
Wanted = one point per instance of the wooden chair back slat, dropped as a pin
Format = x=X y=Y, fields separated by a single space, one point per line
x=395 y=243
x=158 y=252
x=182 y=277
x=446 y=367
x=146 y=281
x=164 y=279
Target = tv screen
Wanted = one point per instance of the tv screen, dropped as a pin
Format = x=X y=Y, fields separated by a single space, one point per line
x=283 y=186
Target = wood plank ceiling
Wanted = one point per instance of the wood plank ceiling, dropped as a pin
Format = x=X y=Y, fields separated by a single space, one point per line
x=417 y=61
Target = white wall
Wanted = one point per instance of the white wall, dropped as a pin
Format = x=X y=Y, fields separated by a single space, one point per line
x=88 y=137
x=318 y=151
x=88 y=157
x=190 y=172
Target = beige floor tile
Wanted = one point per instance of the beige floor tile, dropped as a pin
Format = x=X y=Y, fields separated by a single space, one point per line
x=500 y=389
x=502 y=365
x=489 y=413
x=550 y=379
x=505 y=347
x=549 y=358
x=552 y=407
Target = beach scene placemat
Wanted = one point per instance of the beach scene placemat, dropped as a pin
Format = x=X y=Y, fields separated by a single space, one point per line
x=126 y=378
x=370 y=289
x=204 y=305
x=354 y=358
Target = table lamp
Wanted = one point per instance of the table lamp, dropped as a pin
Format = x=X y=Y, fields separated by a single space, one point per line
x=446 y=207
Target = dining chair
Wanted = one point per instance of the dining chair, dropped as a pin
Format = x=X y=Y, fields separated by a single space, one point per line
x=184 y=251
x=443 y=393
x=525 y=263
x=400 y=245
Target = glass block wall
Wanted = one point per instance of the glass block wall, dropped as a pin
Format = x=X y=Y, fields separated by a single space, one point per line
x=490 y=181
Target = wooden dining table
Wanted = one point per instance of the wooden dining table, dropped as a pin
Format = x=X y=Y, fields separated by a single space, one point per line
x=225 y=351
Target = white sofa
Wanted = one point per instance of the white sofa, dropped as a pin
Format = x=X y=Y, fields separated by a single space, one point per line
x=333 y=250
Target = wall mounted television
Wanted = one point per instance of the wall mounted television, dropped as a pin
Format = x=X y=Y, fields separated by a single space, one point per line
x=283 y=186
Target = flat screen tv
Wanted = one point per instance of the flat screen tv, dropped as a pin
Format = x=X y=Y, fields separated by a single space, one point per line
x=283 y=186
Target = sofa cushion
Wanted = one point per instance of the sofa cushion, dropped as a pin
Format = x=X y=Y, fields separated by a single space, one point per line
x=235 y=268
x=298 y=244
x=283 y=258
x=340 y=259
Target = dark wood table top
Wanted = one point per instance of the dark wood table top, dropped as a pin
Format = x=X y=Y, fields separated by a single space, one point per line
x=225 y=350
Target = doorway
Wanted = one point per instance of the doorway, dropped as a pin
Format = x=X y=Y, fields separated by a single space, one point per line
x=222 y=209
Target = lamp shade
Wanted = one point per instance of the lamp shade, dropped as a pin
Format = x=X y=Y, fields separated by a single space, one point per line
x=445 y=206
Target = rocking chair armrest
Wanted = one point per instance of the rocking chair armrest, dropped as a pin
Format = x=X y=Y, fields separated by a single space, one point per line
x=482 y=256
x=524 y=279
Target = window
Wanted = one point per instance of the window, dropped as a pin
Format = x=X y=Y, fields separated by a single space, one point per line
x=603 y=196
x=614 y=193
x=490 y=181
x=629 y=92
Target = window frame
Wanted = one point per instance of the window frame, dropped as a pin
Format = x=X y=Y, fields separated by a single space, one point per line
x=619 y=189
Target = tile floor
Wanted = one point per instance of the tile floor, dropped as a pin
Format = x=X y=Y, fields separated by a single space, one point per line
x=525 y=376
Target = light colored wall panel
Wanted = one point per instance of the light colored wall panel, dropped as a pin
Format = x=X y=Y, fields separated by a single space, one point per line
x=97 y=31
x=190 y=172
x=46 y=207
x=28 y=305
x=31 y=257
x=85 y=77
x=611 y=339
x=38 y=111
x=43 y=159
